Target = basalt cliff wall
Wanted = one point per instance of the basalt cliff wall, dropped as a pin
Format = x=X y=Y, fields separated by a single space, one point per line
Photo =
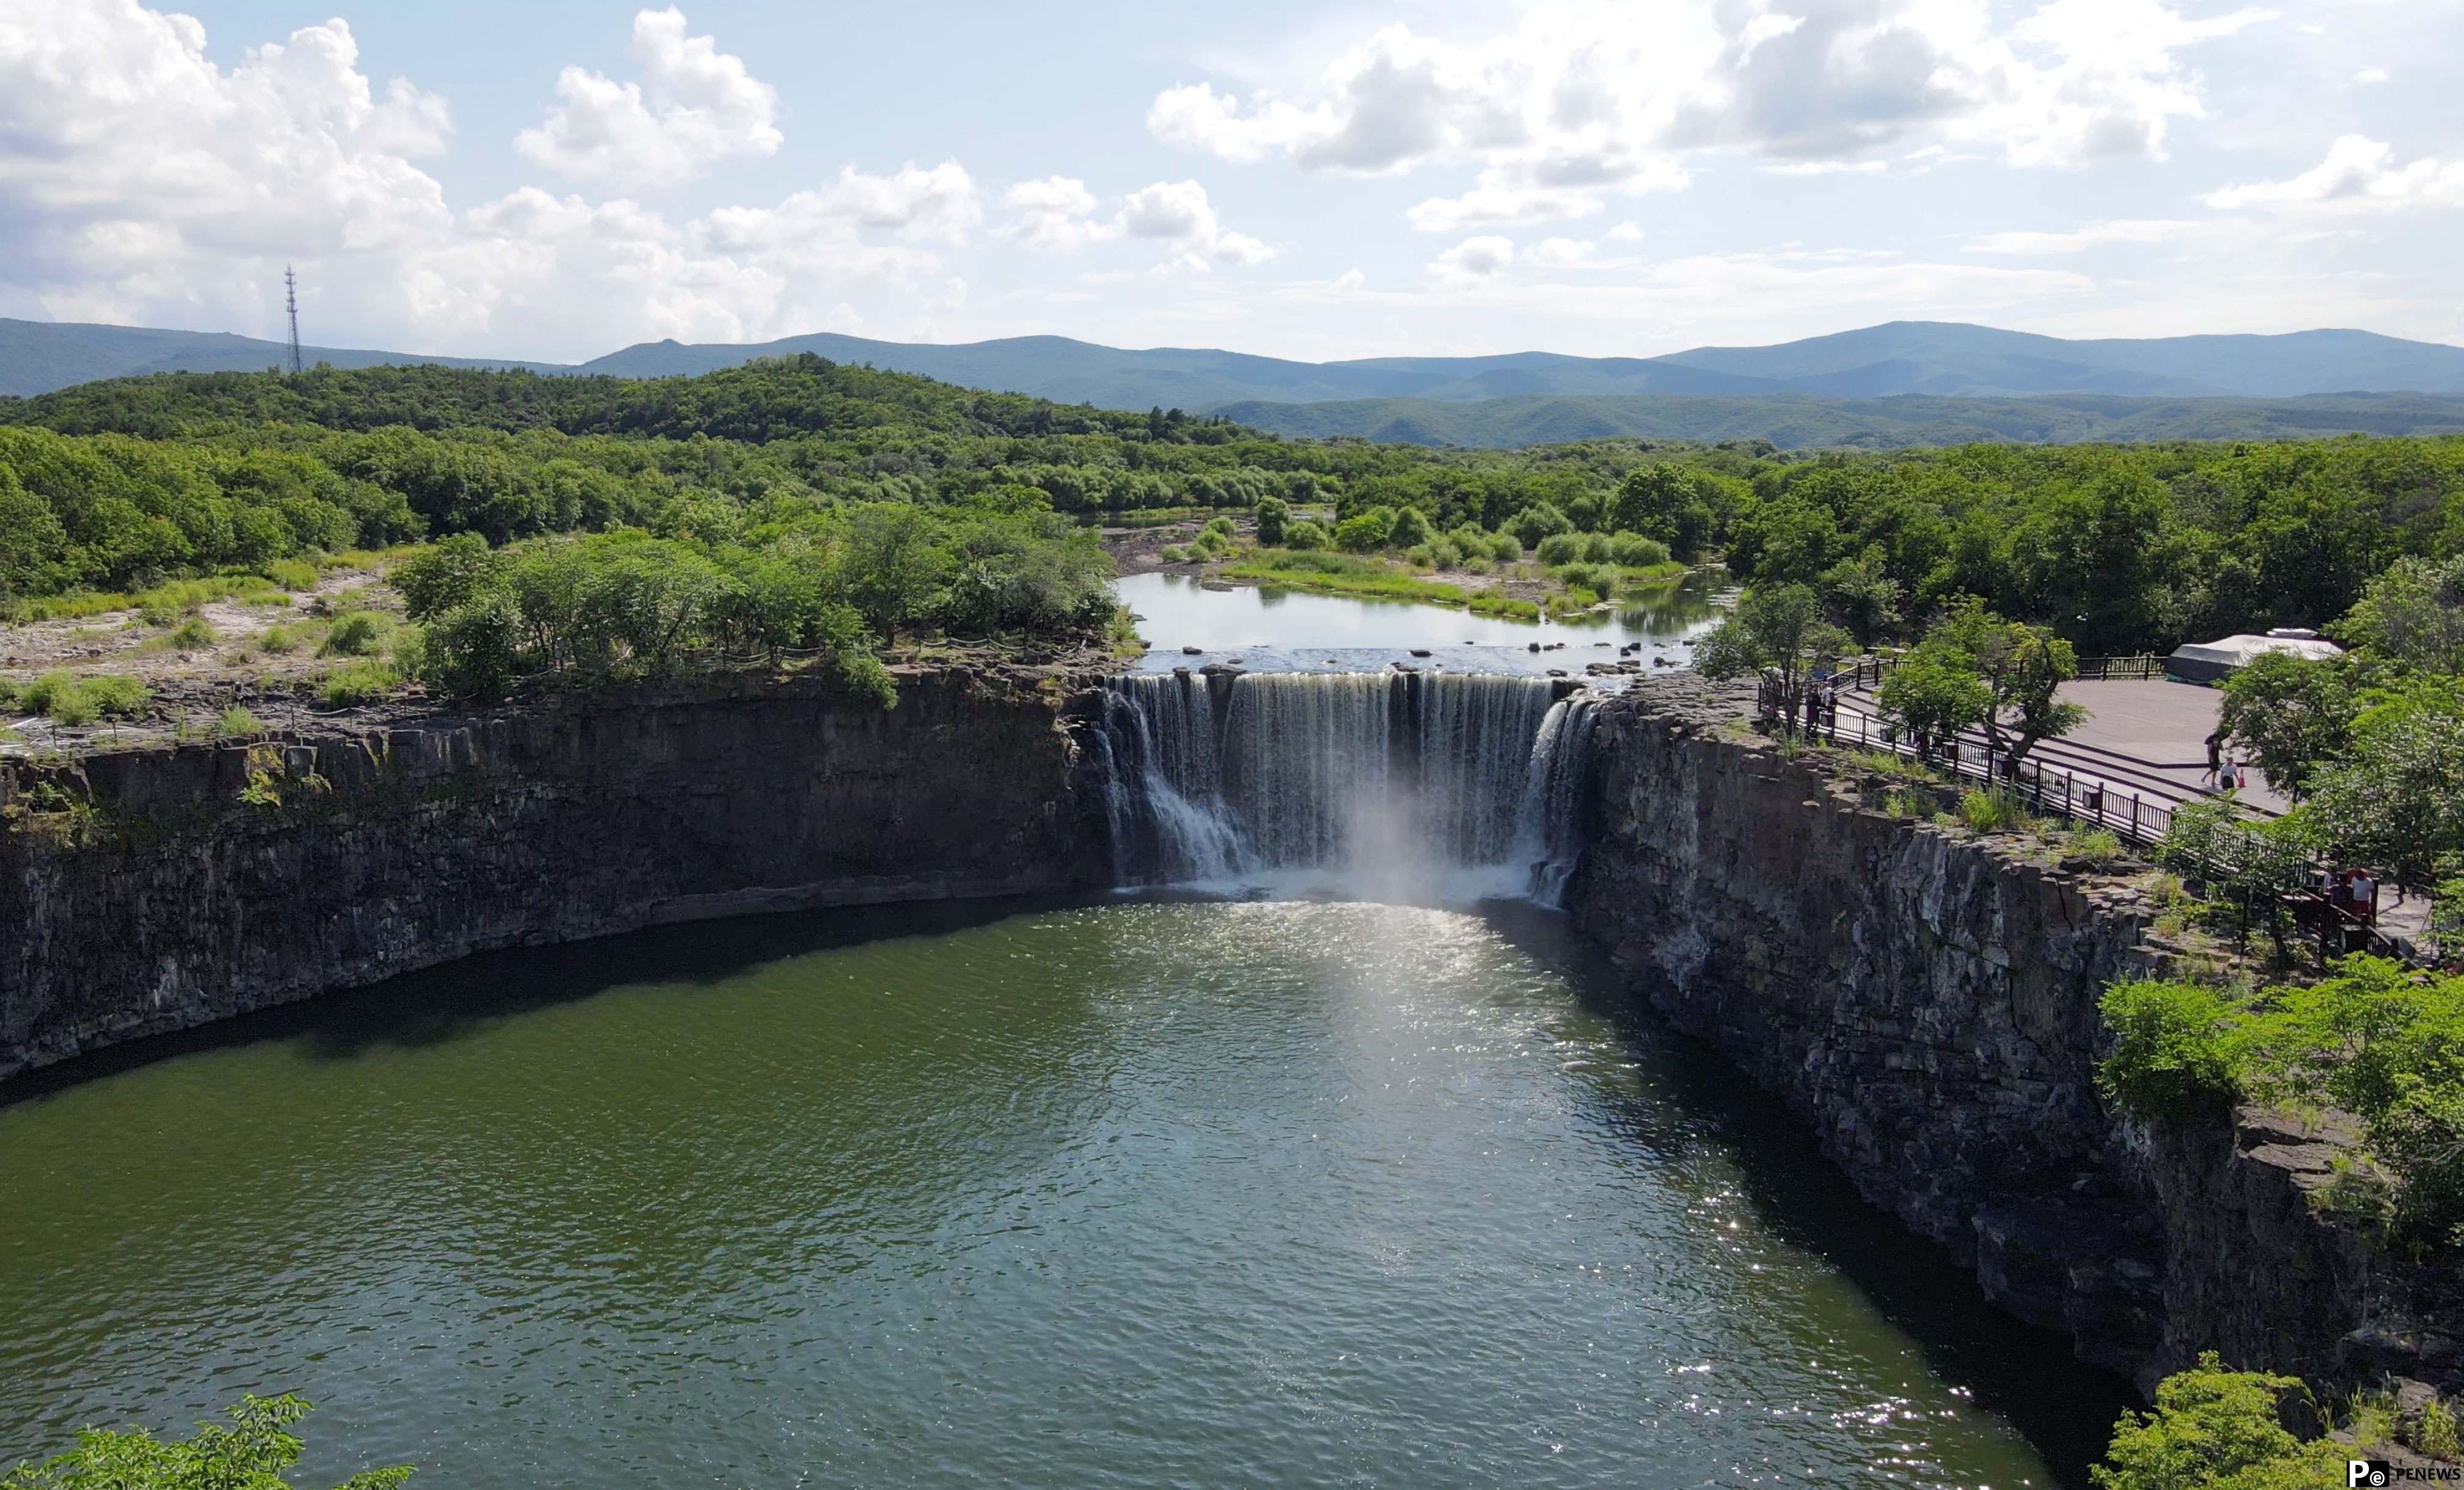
x=152 y=889
x=1925 y=999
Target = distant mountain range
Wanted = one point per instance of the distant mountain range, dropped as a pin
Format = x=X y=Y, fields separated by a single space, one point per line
x=1802 y=421
x=1987 y=384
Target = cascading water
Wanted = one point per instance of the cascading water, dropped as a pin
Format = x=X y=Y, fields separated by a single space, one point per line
x=1381 y=777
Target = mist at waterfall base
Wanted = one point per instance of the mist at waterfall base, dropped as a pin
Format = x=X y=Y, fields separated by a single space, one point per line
x=1403 y=788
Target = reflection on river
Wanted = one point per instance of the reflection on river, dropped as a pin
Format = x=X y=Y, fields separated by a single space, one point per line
x=1288 y=630
x=1132 y=1195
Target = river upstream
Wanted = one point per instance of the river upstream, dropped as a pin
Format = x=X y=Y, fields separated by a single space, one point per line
x=1155 y=1191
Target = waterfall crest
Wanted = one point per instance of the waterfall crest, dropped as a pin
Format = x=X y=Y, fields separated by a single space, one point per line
x=1215 y=778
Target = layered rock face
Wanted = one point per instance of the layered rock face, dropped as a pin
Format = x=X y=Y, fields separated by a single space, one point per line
x=1927 y=1001
x=189 y=883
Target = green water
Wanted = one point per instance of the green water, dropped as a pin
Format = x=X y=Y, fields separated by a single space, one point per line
x=1120 y=1196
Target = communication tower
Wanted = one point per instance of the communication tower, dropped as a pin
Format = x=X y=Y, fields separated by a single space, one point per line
x=290 y=302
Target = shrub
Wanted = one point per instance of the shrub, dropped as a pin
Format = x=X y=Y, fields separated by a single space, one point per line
x=2099 y=846
x=1364 y=531
x=279 y=641
x=354 y=634
x=1222 y=526
x=1634 y=551
x=116 y=694
x=237 y=721
x=1274 y=514
x=357 y=682
x=1595 y=579
x=1443 y=552
x=247 y=1455
x=2421 y=1137
x=2435 y=1434
x=2173 y=1051
x=193 y=635
x=2216 y=1429
x=1992 y=810
x=292 y=573
x=1533 y=523
x=1421 y=556
x=45 y=690
x=1305 y=535
x=1561 y=548
x=1410 y=527
x=71 y=700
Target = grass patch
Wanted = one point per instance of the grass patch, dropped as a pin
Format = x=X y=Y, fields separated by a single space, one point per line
x=2101 y=847
x=71 y=700
x=355 y=634
x=362 y=682
x=1344 y=574
x=1498 y=602
x=1992 y=811
x=161 y=605
x=235 y=721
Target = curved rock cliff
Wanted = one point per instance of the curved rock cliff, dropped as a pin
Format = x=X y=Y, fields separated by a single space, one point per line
x=1927 y=1001
x=152 y=889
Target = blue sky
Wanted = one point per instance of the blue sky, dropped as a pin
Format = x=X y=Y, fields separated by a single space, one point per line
x=557 y=179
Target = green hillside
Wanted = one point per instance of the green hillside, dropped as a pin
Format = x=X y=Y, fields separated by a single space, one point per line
x=1805 y=421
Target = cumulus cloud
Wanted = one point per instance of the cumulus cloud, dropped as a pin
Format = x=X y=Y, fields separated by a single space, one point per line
x=1586 y=99
x=144 y=184
x=2074 y=240
x=127 y=150
x=1058 y=213
x=1474 y=258
x=2359 y=175
x=2370 y=75
x=700 y=106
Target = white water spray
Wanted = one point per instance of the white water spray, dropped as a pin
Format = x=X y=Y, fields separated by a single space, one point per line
x=1404 y=786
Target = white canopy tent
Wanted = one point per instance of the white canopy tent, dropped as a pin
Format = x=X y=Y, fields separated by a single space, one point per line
x=2203 y=662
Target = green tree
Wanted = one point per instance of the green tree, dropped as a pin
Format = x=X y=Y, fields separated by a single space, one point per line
x=1273 y=512
x=2411 y=615
x=2396 y=798
x=2293 y=714
x=2024 y=668
x=1776 y=628
x=1861 y=595
x=2216 y=1430
x=252 y=1454
x=1930 y=697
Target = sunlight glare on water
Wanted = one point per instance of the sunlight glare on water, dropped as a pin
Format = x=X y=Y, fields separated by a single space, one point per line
x=1142 y=1193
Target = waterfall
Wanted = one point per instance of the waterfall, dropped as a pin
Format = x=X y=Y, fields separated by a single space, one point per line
x=1389 y=775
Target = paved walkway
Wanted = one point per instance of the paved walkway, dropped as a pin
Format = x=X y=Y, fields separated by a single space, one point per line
x=2160 y=731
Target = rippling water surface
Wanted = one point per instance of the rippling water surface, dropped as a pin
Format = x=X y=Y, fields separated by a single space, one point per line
x=1198 y=1193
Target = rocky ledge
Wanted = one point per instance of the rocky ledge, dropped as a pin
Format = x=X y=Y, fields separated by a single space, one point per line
x=150 y=888
x=1925 y=1000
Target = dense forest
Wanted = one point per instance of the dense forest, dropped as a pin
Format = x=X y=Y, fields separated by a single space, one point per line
x=117 y=485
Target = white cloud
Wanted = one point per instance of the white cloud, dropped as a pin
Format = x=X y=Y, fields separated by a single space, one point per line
x=1474 y=258
x=2359 y=175
x=2370 y=75
x=701 y=107
x=142 y=184
x=1585 y=98
x=1058 y=213
x=1827 y=168
x=1563 y=252
x=127 y=152
x=2090 y=236
x=1627 y=233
